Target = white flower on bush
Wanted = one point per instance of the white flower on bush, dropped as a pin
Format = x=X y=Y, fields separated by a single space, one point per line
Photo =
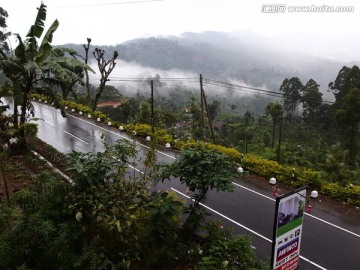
x=78 y=216
x=13 y=140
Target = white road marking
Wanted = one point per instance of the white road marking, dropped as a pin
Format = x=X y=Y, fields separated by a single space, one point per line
x=225 y=217
x=117 y=134
x=49 y=123
x=244 y=227
x=53 y=167
x=315 y=264
x=72 y=135
x=67 y=132
x=331 y=224
x=135 y=169
x=253 y=191
x=312 y=216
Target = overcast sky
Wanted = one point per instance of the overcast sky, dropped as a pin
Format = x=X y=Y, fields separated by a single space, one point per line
x=109 y=22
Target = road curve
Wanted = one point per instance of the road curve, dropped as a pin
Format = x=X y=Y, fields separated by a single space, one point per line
x=327 y=242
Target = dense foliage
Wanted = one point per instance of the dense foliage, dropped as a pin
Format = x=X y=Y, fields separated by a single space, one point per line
x=106 y=219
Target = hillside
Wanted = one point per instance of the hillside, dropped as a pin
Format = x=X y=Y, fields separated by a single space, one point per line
x=242 y=56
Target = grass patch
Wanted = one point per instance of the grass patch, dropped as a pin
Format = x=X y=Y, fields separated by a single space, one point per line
x=289 y=226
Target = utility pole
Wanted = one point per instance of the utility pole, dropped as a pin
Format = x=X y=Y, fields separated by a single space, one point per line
x=246 y=145
x=208 y=115
x=202 y=105
x=152 y=109
x=279 y=147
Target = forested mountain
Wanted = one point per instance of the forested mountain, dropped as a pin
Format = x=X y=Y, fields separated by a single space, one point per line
x=255 y=60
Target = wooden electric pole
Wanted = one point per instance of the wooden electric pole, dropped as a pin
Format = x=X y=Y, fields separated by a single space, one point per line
x=202 y=106
x=209 y=119
x=279 y=146
x=152 y=109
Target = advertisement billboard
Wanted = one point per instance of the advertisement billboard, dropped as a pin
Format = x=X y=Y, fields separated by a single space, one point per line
x=289 y=216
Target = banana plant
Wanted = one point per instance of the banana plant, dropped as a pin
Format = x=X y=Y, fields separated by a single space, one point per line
x=37 y=66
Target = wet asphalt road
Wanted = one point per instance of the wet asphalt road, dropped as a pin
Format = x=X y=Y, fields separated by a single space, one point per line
x=327 y=241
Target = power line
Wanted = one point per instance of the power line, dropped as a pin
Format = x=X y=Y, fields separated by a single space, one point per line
x=141 y=80
x=249 y=89
x=242 y=87
x=112 y=4
x=205 y=81
x=155 y=79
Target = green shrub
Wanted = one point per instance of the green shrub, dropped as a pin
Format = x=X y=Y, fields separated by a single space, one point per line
x=141 y=129
x=100 y=115
x=352 y=194
x=230 y=152
x=162 y=136
x=349 y=194
x=283 y=173
x=39 y=97
x=70 y=104
x=115 y=124
x=224 y=250
x=83 y=108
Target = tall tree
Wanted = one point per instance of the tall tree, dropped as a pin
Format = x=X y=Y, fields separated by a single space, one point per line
x=105 y=68
x=248 y=118
x=348 y=117
x=311 y=99
x=325 y=117
x=346 y=90
x=291 y=89
x=144 y=114
x=196 y=118
x=86 y=60
x=274 y=110
x=337 y=86
x=346 y=80
x=214 y=109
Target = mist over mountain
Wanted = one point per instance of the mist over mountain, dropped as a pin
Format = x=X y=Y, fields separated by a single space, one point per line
x=243 y=56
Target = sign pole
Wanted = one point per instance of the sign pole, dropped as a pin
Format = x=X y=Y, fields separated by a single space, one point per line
x=288 y=221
